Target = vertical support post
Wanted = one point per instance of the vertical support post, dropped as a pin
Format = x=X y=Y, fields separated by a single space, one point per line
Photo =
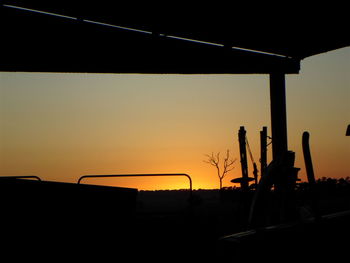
x=263 y=151
x=243 y=155
x=287 y=174
x=278 y=114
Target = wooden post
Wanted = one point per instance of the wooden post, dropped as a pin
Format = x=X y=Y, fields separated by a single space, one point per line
x=278 y=115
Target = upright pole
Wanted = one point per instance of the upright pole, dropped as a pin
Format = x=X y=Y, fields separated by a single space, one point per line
x=310 y=174
x=286 y=173
x=263 y=151
x=278 y=115
x=243 y=155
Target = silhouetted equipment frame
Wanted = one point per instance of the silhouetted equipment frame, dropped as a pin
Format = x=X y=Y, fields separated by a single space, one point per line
x=245 y=179
x=137 y=175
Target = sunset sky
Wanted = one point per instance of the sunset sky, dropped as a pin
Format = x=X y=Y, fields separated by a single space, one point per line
x=62 y=126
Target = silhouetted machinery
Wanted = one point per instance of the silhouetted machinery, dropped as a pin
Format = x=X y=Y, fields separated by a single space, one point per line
x=245 y=179
x=243 y=145
x=280 y=234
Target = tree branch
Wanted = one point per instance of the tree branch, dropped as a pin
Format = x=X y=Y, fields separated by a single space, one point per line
x=215 y=161
x=227 y=164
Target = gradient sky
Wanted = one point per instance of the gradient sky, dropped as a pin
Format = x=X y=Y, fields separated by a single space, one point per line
x=63 y=126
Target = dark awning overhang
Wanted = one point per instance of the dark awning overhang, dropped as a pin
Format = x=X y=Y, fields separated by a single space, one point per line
x=106 y=37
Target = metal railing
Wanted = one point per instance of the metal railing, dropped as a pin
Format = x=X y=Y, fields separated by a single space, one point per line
x=21 y=177
x=137 y=175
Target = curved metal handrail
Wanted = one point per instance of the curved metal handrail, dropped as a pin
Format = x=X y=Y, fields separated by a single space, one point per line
x=21 y=177
x=136 y=175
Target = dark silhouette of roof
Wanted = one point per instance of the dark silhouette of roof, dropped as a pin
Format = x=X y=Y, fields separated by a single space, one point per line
x=129 y=37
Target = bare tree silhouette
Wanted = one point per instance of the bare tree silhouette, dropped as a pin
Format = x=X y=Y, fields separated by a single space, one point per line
x=215 y=161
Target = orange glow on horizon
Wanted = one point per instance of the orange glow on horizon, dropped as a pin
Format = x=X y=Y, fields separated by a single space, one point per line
x=62 y=126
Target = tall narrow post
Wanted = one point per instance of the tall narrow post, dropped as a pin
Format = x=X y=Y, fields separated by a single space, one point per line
x=310 y=174
x=243 y=155
x=287 y=174
x=263 y=151
x=278 y=114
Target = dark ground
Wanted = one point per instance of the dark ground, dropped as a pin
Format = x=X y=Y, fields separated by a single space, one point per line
x=161 y=225
x=212 y=215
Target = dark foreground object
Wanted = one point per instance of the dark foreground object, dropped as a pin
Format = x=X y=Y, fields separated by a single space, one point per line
x=49 y=221
x=322 y=240
x=52 y=220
